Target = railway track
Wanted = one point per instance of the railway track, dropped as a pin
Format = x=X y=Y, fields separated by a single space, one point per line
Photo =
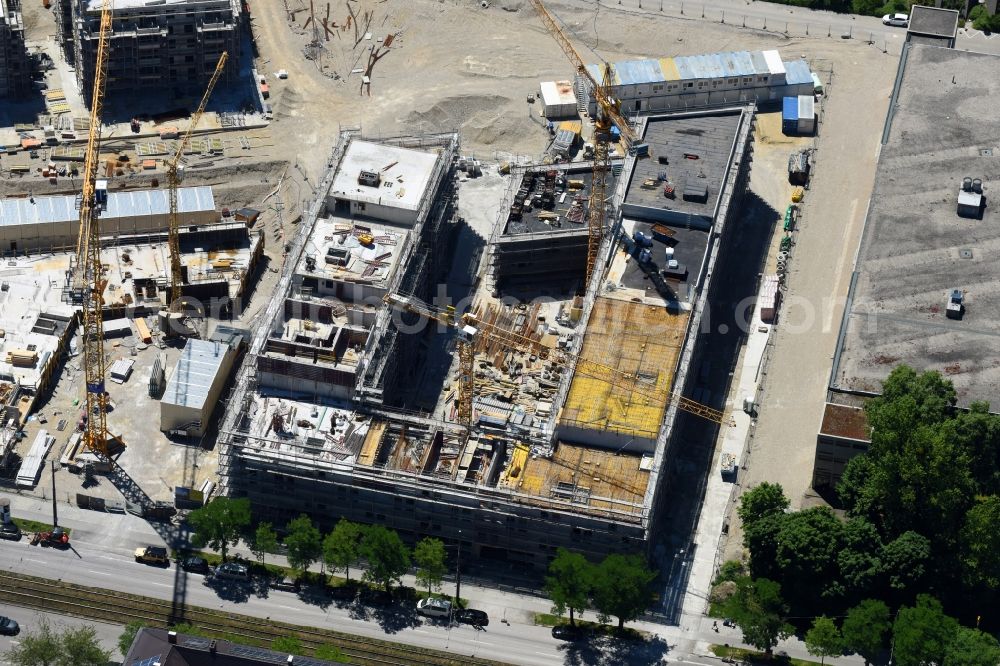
x=121 y=608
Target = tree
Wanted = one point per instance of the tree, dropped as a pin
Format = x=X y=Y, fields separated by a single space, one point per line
x=387 y=556
x=340 y=547
x=823 y=639
x=303 y=542
x=287 y=645
x=767 y=499
x=905 y=560
x=808 y=543
x=860 y=558
x=47 y=647
x=972 y=647
x=621 y=588
x=865 y=628
x=981 y=543
x=922 y=634
x=128 y=635
x=759 y=611
x=331 y=653
x=429 y=556
x=220 y=523
x=569 y=583
x=265 y=540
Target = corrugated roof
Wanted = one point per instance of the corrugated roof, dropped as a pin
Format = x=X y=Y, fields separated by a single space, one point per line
x=196 y=370
x=56 y=209
x=706 y=66
x=790 y=108
x=797 y=72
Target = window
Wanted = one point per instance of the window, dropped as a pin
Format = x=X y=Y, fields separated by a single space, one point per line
x=688 y=85
x=189 y=28
x=747 y=80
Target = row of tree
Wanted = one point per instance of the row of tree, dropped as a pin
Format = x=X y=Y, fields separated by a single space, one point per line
x=620 y=586
x=223 y=522
x=922 y=508
x=920 y=634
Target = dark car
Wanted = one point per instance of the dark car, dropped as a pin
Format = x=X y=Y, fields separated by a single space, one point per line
x=476 y=618
x=565 y=632
x=8 y=627
x=10 y=531
x=232 y=571
x=287 y=584
x=195 y=565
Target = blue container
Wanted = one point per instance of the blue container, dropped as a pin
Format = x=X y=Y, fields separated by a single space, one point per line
x=790 y=109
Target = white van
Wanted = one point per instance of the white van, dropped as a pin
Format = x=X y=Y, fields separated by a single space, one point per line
x=434 y=607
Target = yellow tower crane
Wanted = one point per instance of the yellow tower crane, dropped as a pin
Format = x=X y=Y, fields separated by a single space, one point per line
x=608 y=115
x=173 y=179
x=470 y=329
x=89 y=264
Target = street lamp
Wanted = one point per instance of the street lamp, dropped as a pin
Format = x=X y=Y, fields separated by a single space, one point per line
x=458 y=570
x=55 y=516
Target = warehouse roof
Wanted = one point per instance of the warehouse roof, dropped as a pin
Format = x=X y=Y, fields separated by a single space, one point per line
x=933 y=21
x=56 y=209
x=707 y=66
x=916 y=249
x=196 y=370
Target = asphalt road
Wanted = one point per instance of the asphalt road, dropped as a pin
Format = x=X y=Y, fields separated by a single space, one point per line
x=29 y=620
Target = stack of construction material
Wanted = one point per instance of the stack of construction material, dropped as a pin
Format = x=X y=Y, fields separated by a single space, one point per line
x=22 y=358
x=769 y=299
x=55 y=101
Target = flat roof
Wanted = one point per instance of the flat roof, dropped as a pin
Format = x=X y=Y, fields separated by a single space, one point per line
x=637 y=340
x=97 y=5
x=697 y=148
x=916 y=249
x=689 y=250
x=197 y=368
x=405 y=174
x=570 y=204
x=845 y=421
x=352 y=261
x=933 y=21
x=62 y=208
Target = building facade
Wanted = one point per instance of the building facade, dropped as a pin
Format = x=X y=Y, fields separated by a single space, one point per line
x=15 y=72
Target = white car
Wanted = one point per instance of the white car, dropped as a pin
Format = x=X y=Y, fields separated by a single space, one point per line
x=899 y=20
x=434 y=607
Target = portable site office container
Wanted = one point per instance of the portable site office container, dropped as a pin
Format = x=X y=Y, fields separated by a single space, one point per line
x=807 y=114
x=790 y=115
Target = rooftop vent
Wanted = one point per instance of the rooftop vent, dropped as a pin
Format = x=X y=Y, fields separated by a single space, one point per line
x=370 y=178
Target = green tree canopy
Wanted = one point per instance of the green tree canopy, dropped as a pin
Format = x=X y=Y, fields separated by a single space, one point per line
x=808 y=545
x=823 y=639
x=220 y=523
x=569 y=582
x=128 y=635
x=340 y=547
x=622 y=587
x=972 y=648
x=265 y=540
x=906 y=560
x=303 y=542
x=981 y=544
x=759 y=611
x=46 y=646
x=430 y=557
x=859 y=559
x=922 y=634
x=865 y=629
x=766 y=499
x=387 y=556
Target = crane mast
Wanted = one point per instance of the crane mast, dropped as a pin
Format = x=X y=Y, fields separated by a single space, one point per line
x=173 y=179
x=89 y=256
x=608 y=115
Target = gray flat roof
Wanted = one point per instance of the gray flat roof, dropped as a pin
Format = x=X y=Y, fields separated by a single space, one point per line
x=679 y=138
x=405 y=174
x=916 y=249
x=530 y=222
x=933 y=21
x=196 y=370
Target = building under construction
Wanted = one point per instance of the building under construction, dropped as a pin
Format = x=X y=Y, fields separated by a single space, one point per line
x=172 y=45
x=557 y=455
x=15 y=72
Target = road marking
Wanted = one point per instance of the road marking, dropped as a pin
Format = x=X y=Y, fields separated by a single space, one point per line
x=100 y=573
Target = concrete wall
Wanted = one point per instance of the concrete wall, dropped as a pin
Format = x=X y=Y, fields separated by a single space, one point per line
x=400 y=216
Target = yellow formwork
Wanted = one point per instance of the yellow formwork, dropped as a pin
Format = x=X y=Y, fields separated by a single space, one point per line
x=641 y=342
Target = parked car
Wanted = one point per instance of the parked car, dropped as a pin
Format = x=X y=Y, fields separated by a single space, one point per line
x=8 y=627
x=898 y=20
x=195 y=565
x=565 y=632
x=434 y=607
x=287 y=584
x=476 y=618
x=10 y=531
x=152 y=555
x=232 y=571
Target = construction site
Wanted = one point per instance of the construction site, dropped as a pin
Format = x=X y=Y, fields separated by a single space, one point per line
x=516 y=397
